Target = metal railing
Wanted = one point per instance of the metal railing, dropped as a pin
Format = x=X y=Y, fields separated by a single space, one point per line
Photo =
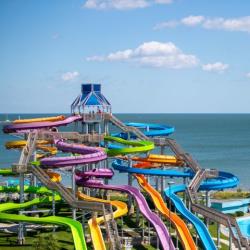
x=64 y=192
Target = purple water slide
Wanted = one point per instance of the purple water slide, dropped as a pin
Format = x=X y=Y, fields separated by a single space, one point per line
x=161 y=230
x=98 y=173
x=12 y=128
x=87 y=155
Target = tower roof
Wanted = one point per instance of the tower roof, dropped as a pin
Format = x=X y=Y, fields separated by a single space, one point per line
x=90 y=96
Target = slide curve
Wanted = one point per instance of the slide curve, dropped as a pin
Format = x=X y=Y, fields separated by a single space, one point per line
x=13 y=128
x=75 y=226
x=159 y=226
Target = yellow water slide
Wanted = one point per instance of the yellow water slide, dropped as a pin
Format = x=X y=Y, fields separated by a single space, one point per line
x=96 y=234
x=40 y=144
x=43 y=119
x=182 y=230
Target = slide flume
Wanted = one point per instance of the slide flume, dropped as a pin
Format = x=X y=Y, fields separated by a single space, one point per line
x=200 y=227
x=13 y=128
x=96 y=234
x=75 y=226
x=159 y=226
x=149 y=130
x=137 y=146
x=184 y=234
x=182 y=230
x=223 y=181
x=43 y=119
x=87 y=155
x=40 y=144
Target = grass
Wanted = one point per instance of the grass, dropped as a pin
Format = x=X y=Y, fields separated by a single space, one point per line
x=62 y=238
x=225 y=195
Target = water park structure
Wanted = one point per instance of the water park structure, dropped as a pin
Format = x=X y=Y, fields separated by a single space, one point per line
x=92 y=154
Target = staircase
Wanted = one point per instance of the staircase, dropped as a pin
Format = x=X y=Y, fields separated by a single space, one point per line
x=200 y=174
x=111 y=228
x=196 y=181
x=114 y=120
x=226 y=220
x=28 y=149
x=63 y=191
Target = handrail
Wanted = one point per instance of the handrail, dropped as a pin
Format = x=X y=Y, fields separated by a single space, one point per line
x=64 y=192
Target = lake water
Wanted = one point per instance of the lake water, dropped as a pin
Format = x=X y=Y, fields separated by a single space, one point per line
x=220 y=141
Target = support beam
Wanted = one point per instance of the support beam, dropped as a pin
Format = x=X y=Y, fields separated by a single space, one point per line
x=73 y=191
x=149 y=236
x=218 y=235
x=162 y=178
x=21 y=239
x=130 y=180
x=53 y=207
x=230 y=240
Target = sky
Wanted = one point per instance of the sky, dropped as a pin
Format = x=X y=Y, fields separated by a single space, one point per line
x=151 y=56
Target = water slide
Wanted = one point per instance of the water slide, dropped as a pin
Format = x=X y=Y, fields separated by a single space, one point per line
x=6 y=172
x=149 y=130
x=161 y=159
x=40 y=144
x=87 y=155
x=13 y=128
x=200 y=227
x=96 y=235
x=97 y=173
x=157 y=223
x=22 y=143
x=121 y=166
x=223 y=181
x=182 y=230
x=95 y=231
x=75 y=226
x=43 y=119
x=136 y=146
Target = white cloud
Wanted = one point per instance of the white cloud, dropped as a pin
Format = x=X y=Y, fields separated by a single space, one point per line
x=218 y=67
x=248 y=75
x=192 y=20
x=233 y=24
x=169 y=24
x=153 y=54
x=69 y=76
x=163 y=1
x=122 y=4
x=219 y=23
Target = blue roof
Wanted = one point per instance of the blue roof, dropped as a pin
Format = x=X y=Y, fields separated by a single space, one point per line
x=91 y=96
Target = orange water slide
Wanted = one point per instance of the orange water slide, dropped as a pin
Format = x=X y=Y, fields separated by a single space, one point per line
x=182 y=230
x=55 y=177
x=161 y=159
x=42 y=119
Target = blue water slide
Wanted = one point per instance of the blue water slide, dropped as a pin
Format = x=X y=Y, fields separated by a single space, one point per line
x=200 y=227
x=148 y=129
x=121 y=166
x=223 y=181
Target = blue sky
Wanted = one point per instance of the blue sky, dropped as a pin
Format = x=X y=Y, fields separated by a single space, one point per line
x=151 y=56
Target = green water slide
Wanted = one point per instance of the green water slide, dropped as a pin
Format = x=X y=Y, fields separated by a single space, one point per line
x=134 y=146
x=6 y=171
x=75 y=226
x=27 y=189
